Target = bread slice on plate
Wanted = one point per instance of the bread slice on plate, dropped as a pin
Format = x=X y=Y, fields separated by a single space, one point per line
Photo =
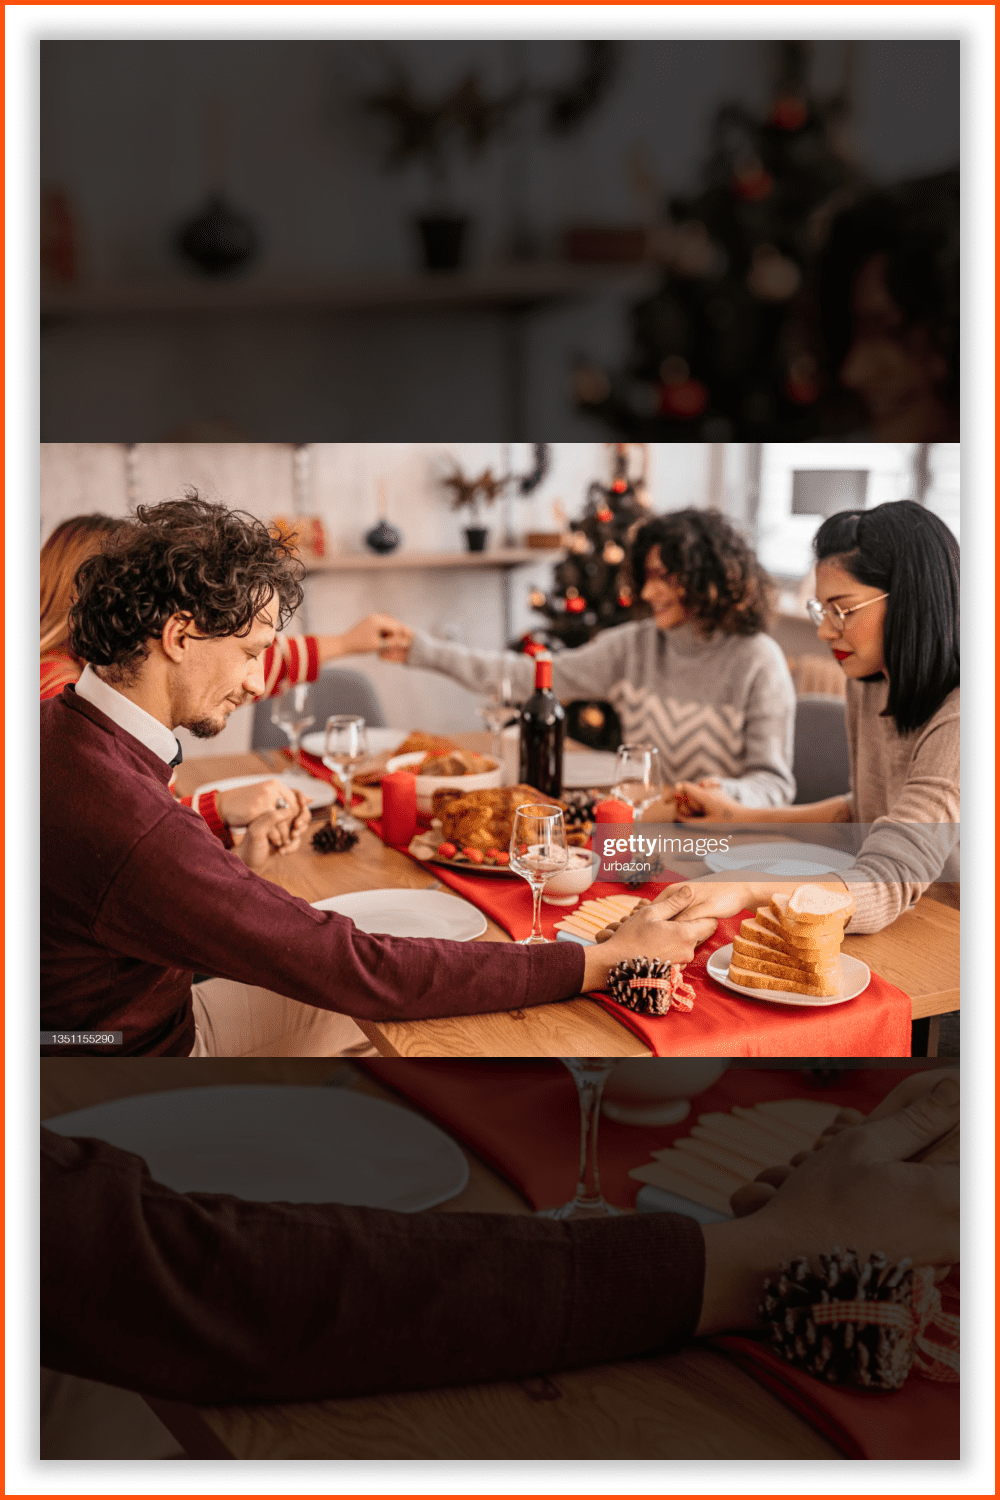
x=806 y=937
x=814 y=905
x=753 y=955
x=756 y=930
x=757 y=965
x=752 y=980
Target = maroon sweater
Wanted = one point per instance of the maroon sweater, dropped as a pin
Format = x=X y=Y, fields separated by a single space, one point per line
x=138 y=895
x=204 y=1298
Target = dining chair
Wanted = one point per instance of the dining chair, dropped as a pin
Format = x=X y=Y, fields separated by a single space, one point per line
x=334 y=692
x=821 y=767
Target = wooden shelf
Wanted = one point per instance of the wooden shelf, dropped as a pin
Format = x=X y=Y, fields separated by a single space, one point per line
x=512 y=287
x=369 y=562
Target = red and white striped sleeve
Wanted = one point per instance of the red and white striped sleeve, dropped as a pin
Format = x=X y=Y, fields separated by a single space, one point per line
x=57 y=668
x=208 y=808
x=291 y=660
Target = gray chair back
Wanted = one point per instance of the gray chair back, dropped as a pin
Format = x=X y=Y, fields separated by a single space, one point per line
x=336 y=692
x=821 y=765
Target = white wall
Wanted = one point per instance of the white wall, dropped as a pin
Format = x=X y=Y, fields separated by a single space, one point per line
x=344 y=478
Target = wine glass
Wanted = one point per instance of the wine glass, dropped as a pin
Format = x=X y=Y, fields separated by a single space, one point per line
x=538 y=851
x=345 y=745
x=498 y=714
x=638 y=777
x=590 y=1075
x=288 y=711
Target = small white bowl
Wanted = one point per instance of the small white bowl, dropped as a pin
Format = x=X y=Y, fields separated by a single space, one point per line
x=565 y=888
x=658 y=1090
x=428 y=785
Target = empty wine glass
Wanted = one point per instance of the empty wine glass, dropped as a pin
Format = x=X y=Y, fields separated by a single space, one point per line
x=345 y=745
x=498 y=714
x=538 y=851
x=290 y=712
x=638 y=777
x=590 y=1075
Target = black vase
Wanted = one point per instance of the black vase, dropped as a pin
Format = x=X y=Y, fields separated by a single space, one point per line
x=219 y=241
x=442 y=241
x=476 y=538
x=383 y=538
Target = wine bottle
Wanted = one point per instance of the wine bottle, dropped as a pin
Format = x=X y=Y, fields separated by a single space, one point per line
x=543 y=726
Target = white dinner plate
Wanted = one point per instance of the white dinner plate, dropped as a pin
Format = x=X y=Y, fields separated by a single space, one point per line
x=856 y=979
x=278 y=1143
x=783 y=857
x=379 y=740
x=405 y=913
x=318 y=793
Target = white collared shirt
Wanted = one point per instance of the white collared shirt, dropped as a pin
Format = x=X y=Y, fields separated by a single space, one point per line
x=127 y=715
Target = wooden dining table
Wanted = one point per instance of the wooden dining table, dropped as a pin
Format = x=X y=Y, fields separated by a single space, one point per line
x=692 y=1404
x=919 y=952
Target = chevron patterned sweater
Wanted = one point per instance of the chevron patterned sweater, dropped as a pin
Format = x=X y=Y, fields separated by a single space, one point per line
x=722 y=706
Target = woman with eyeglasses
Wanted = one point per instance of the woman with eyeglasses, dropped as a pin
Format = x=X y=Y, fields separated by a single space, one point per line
x=699 y=678
x=887 y=607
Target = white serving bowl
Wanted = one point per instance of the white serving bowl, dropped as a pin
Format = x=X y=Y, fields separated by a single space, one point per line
x=428 y=785
x=658 y=1090
x=581 y=872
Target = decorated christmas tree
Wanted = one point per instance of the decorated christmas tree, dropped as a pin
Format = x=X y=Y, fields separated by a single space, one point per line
x=727 y=347
x=590 y=586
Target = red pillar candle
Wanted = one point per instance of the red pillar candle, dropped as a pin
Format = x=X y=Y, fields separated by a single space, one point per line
x=611 y=811
x=399 y=807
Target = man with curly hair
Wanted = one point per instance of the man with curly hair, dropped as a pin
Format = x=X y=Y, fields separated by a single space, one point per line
x=138 y=895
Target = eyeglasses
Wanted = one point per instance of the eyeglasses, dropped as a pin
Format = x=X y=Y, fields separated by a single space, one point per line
x=818 y=612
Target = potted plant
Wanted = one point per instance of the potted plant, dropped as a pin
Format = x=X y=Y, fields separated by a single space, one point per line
x=472 y=495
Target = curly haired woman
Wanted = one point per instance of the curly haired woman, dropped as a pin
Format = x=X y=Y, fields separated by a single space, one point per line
x=699 y=678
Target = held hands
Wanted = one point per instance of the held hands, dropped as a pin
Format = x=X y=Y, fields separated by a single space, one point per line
x=698 y=801
x=652 y=931
x=278 y=831
x=382 y=633
x=239 y=807
x=710 y=898
x=889 y=1183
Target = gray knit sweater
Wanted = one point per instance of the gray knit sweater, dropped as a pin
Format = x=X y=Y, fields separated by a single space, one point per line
x=907 y=788
x=722 y=706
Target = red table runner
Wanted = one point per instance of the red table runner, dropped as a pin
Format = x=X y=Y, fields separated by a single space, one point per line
x=722 y=1023
x=523 y=1119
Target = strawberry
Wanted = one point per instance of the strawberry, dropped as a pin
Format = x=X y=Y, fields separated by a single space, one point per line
x=502 y=858
x=474 y=855
x=447 y=851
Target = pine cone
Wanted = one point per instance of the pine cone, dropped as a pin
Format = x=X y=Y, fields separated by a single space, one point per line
x=848 y=1353
x=332 y=839
x=664 y=991
x=579 y=810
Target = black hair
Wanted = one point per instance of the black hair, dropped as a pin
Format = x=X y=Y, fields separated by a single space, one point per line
x=725 y=587
x=916 y=227
x=910 y=554
x=189 y=557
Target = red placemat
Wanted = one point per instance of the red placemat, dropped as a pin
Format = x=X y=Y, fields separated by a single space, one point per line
x=523 y=1119
x=722 y=1023
x=315 y=767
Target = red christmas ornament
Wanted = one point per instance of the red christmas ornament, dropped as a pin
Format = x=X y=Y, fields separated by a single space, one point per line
x=605 y=515
x=753 y=184
x=685 y=400
x=620 y=486
x=624 y=600
x=789 y=113
x=575 y=606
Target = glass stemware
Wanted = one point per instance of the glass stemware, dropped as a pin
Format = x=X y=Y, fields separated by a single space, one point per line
x=638 y=777
x=345 y=745
x=498 y=714
x=289 y=712
x=590 y=1075
x=538 y=850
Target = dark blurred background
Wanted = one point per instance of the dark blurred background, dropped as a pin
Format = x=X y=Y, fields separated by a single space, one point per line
x=484 y=240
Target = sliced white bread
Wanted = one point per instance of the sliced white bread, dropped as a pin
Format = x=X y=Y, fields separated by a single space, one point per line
x=814 y=905
x=808 y=937
x=797 y=928
x=755 y=930
x=814 y=964
x=829 y=972
x=753 y=981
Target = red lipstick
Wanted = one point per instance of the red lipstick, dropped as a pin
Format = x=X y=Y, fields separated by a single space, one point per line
x=843 y=655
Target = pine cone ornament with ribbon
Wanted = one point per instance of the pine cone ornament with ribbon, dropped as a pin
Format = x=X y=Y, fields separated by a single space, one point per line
x=650 y=986
x=858 y=1324
x=332 y=839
